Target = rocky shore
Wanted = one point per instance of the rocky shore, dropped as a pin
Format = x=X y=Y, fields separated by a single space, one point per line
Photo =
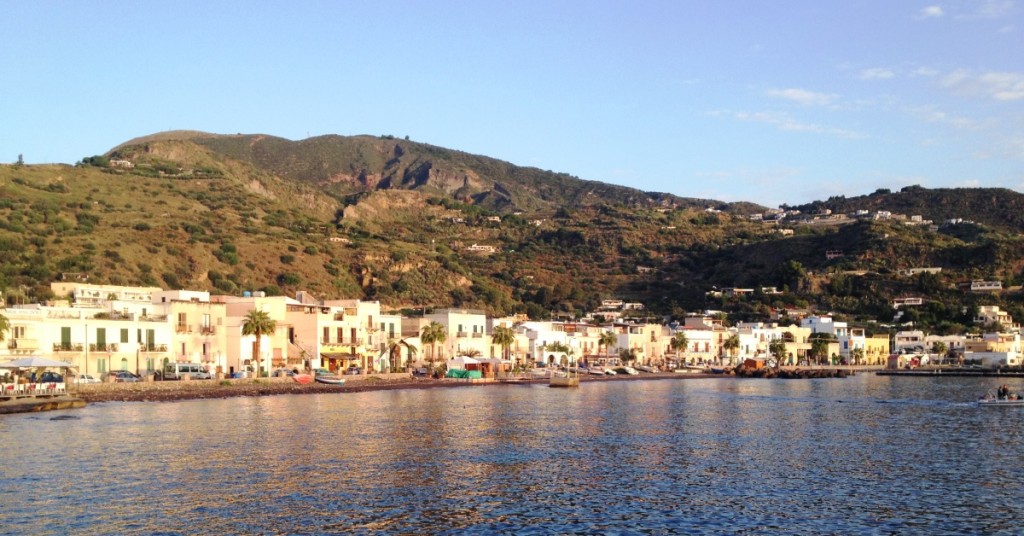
x=172 y=391
x=190 y=390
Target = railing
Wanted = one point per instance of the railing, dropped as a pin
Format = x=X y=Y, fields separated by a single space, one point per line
x=182 y=328
x=111 y=347
x=154 y=348
x=478 y=335
x=208 y=330
x=147 y=318
x=461 y=334
x=23 y=344
x=67 y=347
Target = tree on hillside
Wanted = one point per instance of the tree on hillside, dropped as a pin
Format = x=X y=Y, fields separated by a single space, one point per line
x=258 y=323
x=395 y=352
x=607 y=339
x=504 y=336
x=679 y=343
x=432 y=334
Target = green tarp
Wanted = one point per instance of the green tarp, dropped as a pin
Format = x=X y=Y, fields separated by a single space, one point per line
x=464 y=374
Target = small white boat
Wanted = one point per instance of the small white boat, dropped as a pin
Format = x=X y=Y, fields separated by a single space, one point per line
x=690 y=370
x=540 y=373
x=646 y=368
x=1011 y=402
x=596 y=371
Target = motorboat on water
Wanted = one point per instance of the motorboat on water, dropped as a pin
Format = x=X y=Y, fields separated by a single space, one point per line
x=1001 y=402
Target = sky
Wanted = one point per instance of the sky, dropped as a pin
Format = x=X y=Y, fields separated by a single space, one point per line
x=734 y=100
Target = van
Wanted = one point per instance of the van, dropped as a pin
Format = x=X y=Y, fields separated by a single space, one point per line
x=195 y=371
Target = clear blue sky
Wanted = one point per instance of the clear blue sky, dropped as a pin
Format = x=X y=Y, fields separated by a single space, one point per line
x=772 y=102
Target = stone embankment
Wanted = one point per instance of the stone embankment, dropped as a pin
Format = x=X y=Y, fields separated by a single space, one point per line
x=791 y=374
x=166 y=391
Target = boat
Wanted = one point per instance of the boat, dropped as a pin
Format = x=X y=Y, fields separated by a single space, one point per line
x=330 y=380
x=596 y=371
x=1001 y=402
x=646 y=368
x=690 y=370
x=540 y=373
x=303 y=379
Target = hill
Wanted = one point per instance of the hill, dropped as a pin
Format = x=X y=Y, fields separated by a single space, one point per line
x=418 y=226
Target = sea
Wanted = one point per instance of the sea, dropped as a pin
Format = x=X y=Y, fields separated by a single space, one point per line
x=860 y=455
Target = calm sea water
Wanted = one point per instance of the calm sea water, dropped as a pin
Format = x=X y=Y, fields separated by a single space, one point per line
x=862 y=455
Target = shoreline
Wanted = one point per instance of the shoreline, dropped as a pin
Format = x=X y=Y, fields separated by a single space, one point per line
x=167 y=391
x=172 y=391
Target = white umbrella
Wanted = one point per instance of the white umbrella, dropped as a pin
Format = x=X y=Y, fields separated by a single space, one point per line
x=36 y=362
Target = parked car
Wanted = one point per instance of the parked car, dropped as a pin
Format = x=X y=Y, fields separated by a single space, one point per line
x=283 y=373
x=50 y=377
x=421 y=372
x=86 y=378
x=322 y=372
x=352 y=371
x=123 y=376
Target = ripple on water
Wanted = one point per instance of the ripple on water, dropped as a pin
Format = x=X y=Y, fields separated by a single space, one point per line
x=695 y=456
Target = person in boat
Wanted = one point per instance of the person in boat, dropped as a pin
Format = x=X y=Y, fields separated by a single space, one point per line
x=1003 y=392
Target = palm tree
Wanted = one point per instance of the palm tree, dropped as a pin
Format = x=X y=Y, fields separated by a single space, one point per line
x=504 y=337
x=778 y=350
x=395 y=351
x=731 y=344
x=607 y=339
x=5 y=326
x=432 y=334
x=819 y=346
x=258 y=323
x=679 y=342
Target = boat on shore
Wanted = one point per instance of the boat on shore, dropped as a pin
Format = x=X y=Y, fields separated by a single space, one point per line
x=330 y=380
x=302 y=379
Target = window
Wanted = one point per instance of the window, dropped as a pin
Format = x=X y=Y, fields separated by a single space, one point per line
x=124 y=363
x=327 y=335
x=101 y=365
x=124 y=335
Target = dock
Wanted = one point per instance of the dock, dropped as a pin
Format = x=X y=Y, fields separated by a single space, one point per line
x=34 y=404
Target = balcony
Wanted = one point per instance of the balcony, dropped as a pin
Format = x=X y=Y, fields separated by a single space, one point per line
x=207 y=330
x=182 y=328
x=67 y=347
x=461 y=334
x=112 y=347
x=154 y=348
x=478 y=335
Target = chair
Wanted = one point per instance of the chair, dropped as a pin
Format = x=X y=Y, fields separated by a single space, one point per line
x=60 y=388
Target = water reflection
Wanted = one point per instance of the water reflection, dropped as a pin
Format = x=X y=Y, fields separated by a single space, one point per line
x=865 y=454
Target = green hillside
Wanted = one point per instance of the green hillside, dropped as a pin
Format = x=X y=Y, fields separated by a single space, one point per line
x=394 y=220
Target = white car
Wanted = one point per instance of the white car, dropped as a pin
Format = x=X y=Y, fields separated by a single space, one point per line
x=86 y=378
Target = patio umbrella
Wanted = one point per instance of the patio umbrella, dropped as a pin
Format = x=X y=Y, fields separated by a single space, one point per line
x=36 y=362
